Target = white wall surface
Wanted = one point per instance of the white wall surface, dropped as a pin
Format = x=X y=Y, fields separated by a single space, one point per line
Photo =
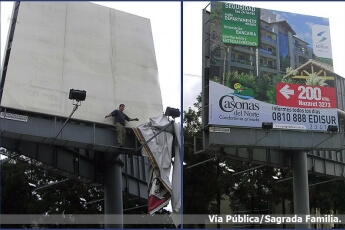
x=58 y=46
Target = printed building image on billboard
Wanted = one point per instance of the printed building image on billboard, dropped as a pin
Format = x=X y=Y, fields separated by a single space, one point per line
x=58 y=46
x=270 y=66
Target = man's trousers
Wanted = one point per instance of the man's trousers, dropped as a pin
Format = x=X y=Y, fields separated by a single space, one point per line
x=120 y=133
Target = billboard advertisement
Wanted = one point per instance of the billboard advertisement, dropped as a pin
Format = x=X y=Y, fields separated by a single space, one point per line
x=58 y=46
x=270 y=66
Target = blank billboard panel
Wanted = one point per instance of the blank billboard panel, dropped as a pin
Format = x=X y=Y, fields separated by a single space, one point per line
x=58 y=46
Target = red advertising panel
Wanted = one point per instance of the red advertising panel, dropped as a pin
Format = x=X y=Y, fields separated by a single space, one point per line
x=305 y=96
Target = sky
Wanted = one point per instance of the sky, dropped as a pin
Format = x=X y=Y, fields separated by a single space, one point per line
x=192 y=31
x=165 y=20
x=303 y=30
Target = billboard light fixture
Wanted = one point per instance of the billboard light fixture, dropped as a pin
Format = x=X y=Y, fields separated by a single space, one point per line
x=75 y=95
x=172 y=112
x=78 y=95
x=267 y=125
x=332 y=128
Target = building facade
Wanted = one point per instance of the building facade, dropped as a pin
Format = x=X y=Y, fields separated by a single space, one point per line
x=279 y=48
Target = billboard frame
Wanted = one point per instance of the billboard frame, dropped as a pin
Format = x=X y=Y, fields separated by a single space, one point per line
x=324 y=159
x=260 y=144
x=241 y=97
x=258 y=138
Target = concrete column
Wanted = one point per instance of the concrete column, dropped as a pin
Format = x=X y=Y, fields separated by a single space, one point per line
x=300 y=185
x=113 y=202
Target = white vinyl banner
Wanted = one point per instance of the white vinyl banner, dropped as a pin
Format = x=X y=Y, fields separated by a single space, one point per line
x=228 y=109
x=58 y=46
x=159 y=150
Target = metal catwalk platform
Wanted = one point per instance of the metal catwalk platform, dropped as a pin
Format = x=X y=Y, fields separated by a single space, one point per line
x=80 y=150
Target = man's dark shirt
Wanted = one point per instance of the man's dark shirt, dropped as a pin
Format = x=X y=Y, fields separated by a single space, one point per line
x=120 y=117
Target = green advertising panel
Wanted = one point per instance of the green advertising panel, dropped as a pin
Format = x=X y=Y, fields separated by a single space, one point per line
x=240 y=24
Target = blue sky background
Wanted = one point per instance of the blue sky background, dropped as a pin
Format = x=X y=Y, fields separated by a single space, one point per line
x=301 y=24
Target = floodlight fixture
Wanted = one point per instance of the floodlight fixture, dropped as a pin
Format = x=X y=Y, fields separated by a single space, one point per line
x=267 y=125
x=332 y=128
x=78 y=95
x=172 y=112
x=75 y=95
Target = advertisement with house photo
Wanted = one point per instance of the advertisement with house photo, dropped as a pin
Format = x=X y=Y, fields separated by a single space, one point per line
x=270 y=66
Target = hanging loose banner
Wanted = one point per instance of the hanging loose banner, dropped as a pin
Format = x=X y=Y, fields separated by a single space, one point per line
x=159 y=150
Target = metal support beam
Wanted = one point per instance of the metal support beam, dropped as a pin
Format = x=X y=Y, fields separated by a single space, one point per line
x=113 y=191
x=247 y=170
x=341 y=114
x=300 y=185
x=323 y=182
x=64 y=124
x=129 y=209
x=213 y=158
x=285 y=179
x=277 y=139
x=48 y=185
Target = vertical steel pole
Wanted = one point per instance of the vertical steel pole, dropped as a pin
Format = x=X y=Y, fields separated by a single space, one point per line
x=300 y=185
x=113 y=191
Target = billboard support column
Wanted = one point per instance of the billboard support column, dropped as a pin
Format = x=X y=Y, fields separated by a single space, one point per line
x=113 y=202
x=300 y=185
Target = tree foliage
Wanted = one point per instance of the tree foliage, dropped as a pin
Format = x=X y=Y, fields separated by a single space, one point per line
x=24 y=190
x=315 y=80
x=199 y=185
x=15 y=189
x=20 y=176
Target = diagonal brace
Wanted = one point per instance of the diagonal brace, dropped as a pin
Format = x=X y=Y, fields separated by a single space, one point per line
x=63 y=126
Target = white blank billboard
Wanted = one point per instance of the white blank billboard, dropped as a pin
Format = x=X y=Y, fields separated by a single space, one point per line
x=58 y=46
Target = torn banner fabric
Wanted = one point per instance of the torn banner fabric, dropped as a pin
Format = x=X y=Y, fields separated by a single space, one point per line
x=159 y=150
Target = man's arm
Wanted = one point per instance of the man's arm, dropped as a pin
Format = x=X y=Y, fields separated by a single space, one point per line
x=134 y=119
x=110 y=114
x=131 y=119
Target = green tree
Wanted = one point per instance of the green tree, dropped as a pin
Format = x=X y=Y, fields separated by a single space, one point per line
x=216 y=42
x=315 y=80
x=15 y=188
x=21 y=175
x=199 y=185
